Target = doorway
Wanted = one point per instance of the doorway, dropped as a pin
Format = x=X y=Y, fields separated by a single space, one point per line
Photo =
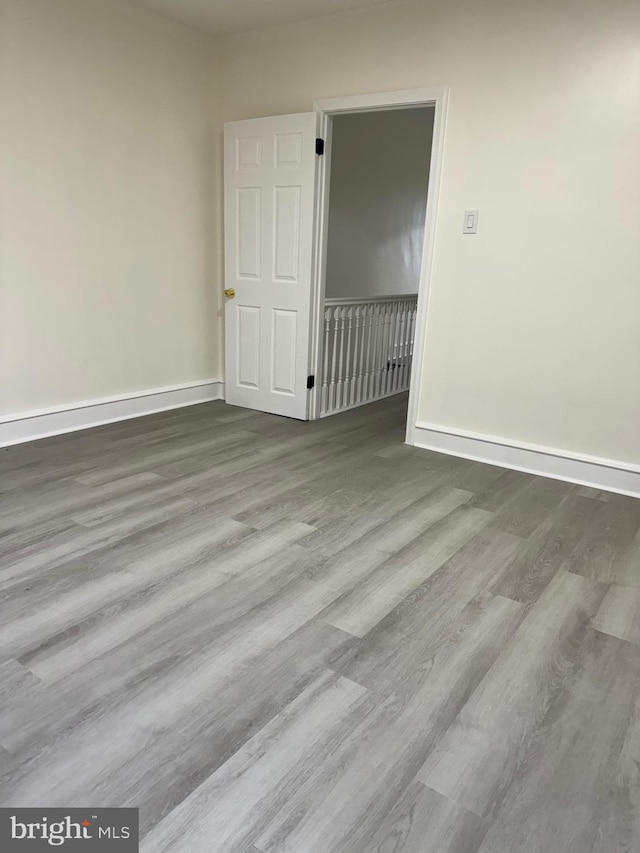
x=378 y=190
x=279 y=257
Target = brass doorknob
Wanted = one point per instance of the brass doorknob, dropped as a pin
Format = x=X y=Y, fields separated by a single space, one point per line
x=229 y=292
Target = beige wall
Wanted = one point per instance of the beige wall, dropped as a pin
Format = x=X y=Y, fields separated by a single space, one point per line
x=377 y=201
x=533 y=331
x=108 y=158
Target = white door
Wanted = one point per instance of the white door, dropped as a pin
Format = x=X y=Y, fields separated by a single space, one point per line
x=269 y=200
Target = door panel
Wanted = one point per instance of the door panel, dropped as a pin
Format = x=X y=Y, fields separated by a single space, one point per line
x=248 y=203
x=270 y=176
x=248 y=346
x=284 y=351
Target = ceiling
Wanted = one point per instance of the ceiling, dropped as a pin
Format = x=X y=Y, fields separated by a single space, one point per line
x=228 y=16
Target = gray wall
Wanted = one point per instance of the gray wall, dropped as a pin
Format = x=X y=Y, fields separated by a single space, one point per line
x=378 y=196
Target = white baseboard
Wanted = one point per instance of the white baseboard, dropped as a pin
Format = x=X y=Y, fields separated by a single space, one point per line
x=28 y=426
x=599 y=473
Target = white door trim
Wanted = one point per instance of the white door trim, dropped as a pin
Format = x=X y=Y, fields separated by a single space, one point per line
x=437 y=97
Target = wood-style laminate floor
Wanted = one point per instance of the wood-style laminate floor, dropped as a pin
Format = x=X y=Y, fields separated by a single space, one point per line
x=308 y=637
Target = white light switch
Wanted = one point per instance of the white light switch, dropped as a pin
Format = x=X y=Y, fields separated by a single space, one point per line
x=470 y=222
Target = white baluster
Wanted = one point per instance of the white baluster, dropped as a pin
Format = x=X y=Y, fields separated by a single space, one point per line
x=375 y=361
x=356 y=355
x=363 y=354
x=324 y=398
x=388 y=347
x=334 y=359
x=393 y=345
x=368 y=353
x=341 y=364
x=349 y=359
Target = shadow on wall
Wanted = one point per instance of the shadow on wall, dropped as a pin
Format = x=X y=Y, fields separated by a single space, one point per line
x=377 y=204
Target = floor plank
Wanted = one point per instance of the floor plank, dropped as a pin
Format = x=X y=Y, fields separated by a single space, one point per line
x=403 y=645
x=362 y=608
x=547 y=549
x=619 y=614
x=260 y=777
x=480 y=754
x=423 y=821
x=577 y=790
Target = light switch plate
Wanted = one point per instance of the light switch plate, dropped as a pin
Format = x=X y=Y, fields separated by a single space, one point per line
x=470 y=225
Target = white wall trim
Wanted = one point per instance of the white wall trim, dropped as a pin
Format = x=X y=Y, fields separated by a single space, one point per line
x=600 y=473
x=41 y=423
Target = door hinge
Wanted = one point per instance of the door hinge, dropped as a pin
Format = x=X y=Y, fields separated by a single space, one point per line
x=311 y=381
x=320 y=146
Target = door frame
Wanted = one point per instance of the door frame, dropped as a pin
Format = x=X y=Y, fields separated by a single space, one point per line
x=436 y=97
